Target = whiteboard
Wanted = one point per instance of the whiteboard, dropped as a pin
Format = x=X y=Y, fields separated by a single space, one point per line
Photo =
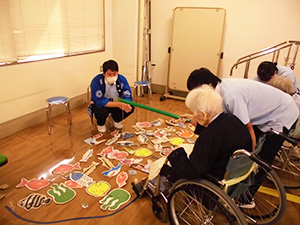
x=196 y=42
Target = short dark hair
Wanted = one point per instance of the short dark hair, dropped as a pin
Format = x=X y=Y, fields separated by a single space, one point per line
x=200 y=77
x=266 y=70
x=110 y=65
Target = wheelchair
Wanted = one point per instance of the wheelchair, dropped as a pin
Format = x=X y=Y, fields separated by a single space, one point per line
x=211 y=201
x=287 y=162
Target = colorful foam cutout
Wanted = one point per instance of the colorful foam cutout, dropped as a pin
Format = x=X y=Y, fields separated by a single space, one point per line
x=116 y=154
x=185 y=134
x=34 y=184
x=160 y=133
x=81 y=179
x=114 y=171
x=98 y=189
x=72 y=184
x=121 y=179
x=143 y=152
x=106 y=151
x=105 y=162
x=94 y=140
x=61 y=194
x=142 y=138
x=157 y=123
x=64 y=168
x=126 y=143
x=166 y=150
x=91 y=168
x=34 y=201
x=88 y=154
x=176 y=141
x=115 y=199
x=143 y=124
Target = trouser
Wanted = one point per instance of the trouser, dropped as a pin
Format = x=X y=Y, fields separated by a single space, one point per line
x=102 y=113
x=268 y=153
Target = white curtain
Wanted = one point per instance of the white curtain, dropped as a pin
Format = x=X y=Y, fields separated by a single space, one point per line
x=38 y=29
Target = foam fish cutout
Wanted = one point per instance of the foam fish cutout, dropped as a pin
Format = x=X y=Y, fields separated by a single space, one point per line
x=157 y=123
x=115 y=132
x=185 y=134
x=142 y=139
x=34 y=184
x=126 y=143
x=160 y=133
x=94 y=140
x=130 y=151
x=34 y=201
x=72 y=184
x=64 y=168
x=87 y=155
x=121 y=179
x=91 y=168
x=143 y=124
x=106 y=151
x=149 y=133
x=175 y=122
x=114 y=171
x=166 y=150
x=125 y=135
x=116 y=154
x=105 y=162
x=113 y=140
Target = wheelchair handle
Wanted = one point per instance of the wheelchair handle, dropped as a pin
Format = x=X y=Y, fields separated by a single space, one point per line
x=254 y=158
x=292 y=140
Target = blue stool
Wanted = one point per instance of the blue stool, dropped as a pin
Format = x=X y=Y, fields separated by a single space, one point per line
x=58 y=100
x=143 y=83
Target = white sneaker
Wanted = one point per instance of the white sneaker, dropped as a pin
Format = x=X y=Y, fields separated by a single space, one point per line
x=249 y=205
x=118 y=125
x=101 y=129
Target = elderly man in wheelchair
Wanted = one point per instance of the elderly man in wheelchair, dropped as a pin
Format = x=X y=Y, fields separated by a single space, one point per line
x=193 y=187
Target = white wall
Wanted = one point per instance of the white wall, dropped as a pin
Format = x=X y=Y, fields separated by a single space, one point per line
x=250 y=26
x=125 y=37
x=24 y=88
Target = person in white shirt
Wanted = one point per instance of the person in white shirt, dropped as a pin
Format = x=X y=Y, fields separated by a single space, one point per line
x=266 y=70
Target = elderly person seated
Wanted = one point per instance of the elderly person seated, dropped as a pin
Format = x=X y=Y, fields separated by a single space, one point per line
x=220 y=135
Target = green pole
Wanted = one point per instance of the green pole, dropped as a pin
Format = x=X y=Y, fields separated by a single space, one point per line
x=149 y=108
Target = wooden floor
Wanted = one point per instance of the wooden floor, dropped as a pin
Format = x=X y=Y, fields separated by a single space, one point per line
x=32 y=153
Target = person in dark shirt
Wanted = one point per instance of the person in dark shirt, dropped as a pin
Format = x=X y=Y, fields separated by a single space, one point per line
x=221 y=134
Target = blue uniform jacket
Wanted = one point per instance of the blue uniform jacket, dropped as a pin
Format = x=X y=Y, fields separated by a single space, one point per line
x=98 y=90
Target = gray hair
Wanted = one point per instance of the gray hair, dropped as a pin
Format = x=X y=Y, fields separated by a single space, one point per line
x=206 y=99
x=283 y=83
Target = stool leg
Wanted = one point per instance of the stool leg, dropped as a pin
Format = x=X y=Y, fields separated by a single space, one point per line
x=149 y=93
x=49 y=119
x=135 y=90
x=69 y=118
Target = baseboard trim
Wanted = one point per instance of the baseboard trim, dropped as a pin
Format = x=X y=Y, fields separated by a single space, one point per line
x=10 y=127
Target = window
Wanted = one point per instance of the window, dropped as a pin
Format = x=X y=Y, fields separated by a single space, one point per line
x=34 y=30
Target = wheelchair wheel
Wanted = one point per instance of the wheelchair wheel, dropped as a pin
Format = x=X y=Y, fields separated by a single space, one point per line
x=202 y=202
x=269 y=198
x=287 y=167
x=159 y=208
